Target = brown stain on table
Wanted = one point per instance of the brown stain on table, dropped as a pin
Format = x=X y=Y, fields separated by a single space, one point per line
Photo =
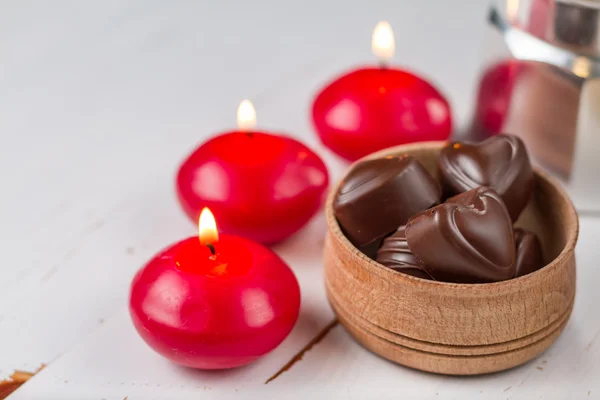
x=15 y=381
x=298 y=356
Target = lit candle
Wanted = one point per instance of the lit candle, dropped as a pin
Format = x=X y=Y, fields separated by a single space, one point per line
x=372 y=108
x=260 y=185
x=214 y=301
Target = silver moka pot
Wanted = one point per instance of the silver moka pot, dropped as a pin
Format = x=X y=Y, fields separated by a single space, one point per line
x=541 y=81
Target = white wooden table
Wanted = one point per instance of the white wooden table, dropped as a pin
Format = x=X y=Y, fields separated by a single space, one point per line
x=100 y=101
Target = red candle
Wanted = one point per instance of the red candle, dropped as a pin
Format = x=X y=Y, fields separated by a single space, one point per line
x=260 y=185
x=373 y=108
x=213 y=303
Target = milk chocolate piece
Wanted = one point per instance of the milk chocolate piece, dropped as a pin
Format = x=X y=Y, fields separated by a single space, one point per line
x=500 y=162
x=468 y=239
x=529 y=252
x=395 y=254
x=381 y=194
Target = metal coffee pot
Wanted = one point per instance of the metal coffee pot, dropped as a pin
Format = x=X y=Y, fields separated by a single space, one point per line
x=541 y=81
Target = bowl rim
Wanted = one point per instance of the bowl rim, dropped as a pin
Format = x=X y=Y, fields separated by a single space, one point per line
x=334 y=227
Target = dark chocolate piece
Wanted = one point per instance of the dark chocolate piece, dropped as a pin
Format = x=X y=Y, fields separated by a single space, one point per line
x=381 y=194
x=500 y=163
x=529 y=252
x=395 y=254
x=468 y=239
x=370 y=250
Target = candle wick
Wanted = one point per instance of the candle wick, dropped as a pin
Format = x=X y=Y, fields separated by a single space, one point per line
x=383 y=65
x=211 y=248
x=249 y=133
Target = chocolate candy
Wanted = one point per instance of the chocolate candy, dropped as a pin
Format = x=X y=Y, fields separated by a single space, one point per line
x=370 y=250
x=381 y=194
x=500 y=162
x=395 y=254
x=529 y=252
x=468 y=239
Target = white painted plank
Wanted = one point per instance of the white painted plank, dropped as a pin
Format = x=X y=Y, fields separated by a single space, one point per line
x=114 y=362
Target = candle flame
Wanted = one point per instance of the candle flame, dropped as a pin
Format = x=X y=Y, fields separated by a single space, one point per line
x=207 y=227
x=582 y=67
x=246 y=116
x=512 y=10
x=382 y=43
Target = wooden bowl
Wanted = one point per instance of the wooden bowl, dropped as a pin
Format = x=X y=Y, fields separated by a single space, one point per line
x=458 y=329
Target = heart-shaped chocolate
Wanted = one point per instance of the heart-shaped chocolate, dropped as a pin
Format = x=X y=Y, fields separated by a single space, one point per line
x=379 y=195
x=395 y=254
x=467 y=239
x=529 y=252
x=500 y=163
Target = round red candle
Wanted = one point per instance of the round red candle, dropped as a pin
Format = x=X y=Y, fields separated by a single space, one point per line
x=259 y=185
x=214 y=303
x=373 y=108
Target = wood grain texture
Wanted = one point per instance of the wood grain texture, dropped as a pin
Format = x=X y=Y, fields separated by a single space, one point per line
x=460 y=329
